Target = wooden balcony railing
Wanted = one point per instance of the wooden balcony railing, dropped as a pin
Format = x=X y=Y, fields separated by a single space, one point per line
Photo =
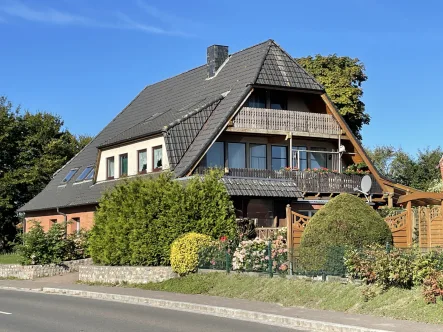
x=293 y=121
x=307 y=181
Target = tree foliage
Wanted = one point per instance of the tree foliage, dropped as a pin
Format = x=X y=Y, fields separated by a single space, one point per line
x=137 y=221
x=33 y=147
x=342 y=78
x=418 y=171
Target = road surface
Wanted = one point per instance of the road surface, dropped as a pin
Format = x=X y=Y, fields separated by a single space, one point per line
x=35 y=312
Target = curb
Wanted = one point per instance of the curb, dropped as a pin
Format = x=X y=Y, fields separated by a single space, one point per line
x=239 y=314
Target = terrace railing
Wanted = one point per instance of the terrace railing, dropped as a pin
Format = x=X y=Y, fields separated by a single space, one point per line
x=292 y=121
x=306 y=181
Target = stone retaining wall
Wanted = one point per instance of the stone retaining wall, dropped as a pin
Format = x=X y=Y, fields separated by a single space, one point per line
x=126 y=274
x=38 y=271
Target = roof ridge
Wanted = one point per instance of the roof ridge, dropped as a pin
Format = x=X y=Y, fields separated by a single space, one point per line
x=298 y=65
x=263 y=60
x=193 y=112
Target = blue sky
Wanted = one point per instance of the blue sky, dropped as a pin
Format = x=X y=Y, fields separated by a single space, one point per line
x=86 y=60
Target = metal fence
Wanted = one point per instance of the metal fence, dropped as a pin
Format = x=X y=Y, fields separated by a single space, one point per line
x=269 y=260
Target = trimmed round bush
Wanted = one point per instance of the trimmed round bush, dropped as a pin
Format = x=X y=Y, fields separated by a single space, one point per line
x=184 y=252
x=346 y=221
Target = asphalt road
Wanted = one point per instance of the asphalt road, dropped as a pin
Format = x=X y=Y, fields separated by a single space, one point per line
x=34 y=312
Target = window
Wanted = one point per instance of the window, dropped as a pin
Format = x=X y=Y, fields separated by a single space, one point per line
x=77 y=224
x=157 y=158
x=237 y=155
x=300 y=151
x=318 y=159
x=110 y=168
x=90 y=175
x=70 y=174
x=307 y=213
x=258 y=156
x=84 y=174
x=278 y=100
x=53 y=221
x=123 y=164
x=279 y=157
x=142 y=161
x=257 y=99
x=216 y=155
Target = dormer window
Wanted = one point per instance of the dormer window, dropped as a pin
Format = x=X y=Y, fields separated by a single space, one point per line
x=70 y=175
x=123 y=165
x=157 y=158
x=110 y=168
x=142 y=161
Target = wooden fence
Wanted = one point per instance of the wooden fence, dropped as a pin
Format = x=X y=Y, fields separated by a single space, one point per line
x=429 y=224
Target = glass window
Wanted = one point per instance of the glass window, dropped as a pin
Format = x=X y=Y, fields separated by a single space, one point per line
x=257 y=99
x=318 y=159
x=216 y=155
x=70 y=174
x=157 y=158
x=77 y=224
x=279 y=157
x=300 y=151
x=258 y=156
x=91 y=174
x=142 y=161
x=279 y=100
x=237 y=155
x=123 y=164
x=110 y=168
x=83 y=174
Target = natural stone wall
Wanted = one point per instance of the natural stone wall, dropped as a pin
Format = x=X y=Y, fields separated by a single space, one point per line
x=127 y=274
x=39 y=271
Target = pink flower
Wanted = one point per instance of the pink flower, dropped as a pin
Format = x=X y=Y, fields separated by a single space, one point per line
x=213 y=262
x=223 y=238
x=283 y=267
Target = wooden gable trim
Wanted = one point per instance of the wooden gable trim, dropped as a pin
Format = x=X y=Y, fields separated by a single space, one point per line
x=353 y=139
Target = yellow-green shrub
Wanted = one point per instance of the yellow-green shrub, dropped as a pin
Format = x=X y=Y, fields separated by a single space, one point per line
x=184 y=252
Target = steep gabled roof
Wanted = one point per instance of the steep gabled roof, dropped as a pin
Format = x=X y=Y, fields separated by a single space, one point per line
x=280 y=69
x=184 y=100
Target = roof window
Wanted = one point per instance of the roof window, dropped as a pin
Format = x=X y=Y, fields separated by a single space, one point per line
x=84 y=174
x=70 y=175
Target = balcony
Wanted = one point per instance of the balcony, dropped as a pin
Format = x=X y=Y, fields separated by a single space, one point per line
x=262 y=120
x=306 y=181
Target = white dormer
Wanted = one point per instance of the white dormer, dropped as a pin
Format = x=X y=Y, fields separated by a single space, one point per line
x=141 y=157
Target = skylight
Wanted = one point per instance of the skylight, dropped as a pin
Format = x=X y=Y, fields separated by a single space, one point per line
x=91 y=174
x=70 y=175
x=84 y=174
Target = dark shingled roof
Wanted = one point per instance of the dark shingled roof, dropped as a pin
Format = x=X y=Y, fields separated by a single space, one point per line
x=167 y=101
x=237 y=186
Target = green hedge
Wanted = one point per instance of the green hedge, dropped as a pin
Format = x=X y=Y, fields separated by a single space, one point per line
x=345 y=221
x=137 y=221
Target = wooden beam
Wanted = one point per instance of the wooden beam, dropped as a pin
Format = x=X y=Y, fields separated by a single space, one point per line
x=357 y=145
x=423 y=196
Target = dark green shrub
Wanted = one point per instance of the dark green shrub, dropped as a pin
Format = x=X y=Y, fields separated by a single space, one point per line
x=137 y=221
x=346 y=221
x=38 y=247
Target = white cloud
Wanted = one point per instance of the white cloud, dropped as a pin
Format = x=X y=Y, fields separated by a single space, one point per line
x=16 y=9
x=47 y=15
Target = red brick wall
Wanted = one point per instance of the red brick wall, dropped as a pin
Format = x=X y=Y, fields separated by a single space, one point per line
x=84 y=213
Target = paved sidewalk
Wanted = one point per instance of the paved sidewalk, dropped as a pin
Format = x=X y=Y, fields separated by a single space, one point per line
x=370 y=322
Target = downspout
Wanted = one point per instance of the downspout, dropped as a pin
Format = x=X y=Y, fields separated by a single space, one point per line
x=65 y=221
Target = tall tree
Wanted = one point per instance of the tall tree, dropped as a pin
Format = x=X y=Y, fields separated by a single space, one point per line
x=33 y=147
x=342 y=78
x=419 y=172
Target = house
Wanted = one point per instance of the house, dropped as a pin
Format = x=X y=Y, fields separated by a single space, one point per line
x=255 y=113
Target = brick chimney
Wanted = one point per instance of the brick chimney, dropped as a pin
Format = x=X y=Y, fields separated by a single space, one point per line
x=215 y=55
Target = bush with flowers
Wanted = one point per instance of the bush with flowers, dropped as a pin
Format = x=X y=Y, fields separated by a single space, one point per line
x=252 y=255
